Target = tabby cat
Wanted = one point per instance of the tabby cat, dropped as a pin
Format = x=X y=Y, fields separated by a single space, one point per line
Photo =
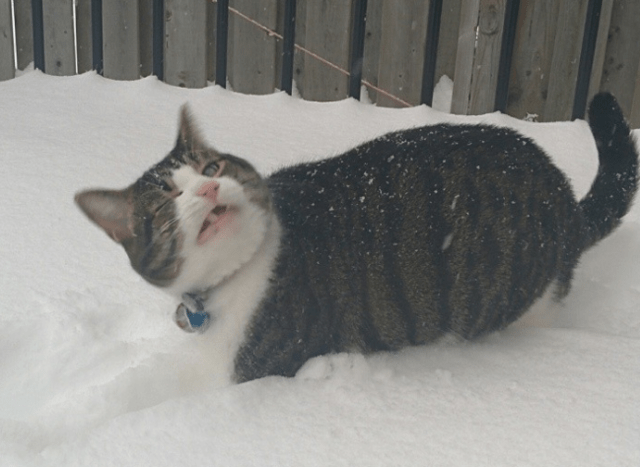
x=444 y=229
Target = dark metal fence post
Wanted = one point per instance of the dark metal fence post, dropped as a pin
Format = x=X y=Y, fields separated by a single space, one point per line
x=586 y=58
x=289 y=33
x=158 y=39
x=431 y=52
x=357 y=48
x=506 y=54
x=38 y=34
x=97 y=60
x=221 y=42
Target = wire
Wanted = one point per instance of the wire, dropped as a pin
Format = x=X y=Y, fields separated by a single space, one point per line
x=273 y=33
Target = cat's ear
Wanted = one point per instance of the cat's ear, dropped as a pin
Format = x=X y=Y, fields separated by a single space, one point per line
x=188 y=134
x=111 y=210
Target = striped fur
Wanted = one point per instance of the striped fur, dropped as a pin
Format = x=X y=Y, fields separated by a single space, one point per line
x=446 y=229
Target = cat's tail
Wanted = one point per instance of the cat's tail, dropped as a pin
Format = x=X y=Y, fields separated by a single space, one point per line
x=614 y=187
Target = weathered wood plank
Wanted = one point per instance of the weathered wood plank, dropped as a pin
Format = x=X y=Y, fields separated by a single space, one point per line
x=465 y=53
x=298 y=56
x=634 y=116
x=59 y=48
x=252 y=51
x=565 y=61
x=7 y=65
x=84 y=48
x=372 y=38
x=328 y=28
x=448 y=39
x=185 y=40
x=404 y=31
x=532 y=55
x=222 y=42
x=145 y=30
x=623 y=53
x=38 y=35
x=121 y=39
x=280 y=44
x=601 y=48
x=211 y=28
x=478 y=56
x=356 y=56
x=24 y=33
x=485 y=70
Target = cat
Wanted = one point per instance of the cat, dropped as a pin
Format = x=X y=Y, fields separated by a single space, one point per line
x=420 y=233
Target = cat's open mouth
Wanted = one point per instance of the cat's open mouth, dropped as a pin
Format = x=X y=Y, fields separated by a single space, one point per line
x=213 y=223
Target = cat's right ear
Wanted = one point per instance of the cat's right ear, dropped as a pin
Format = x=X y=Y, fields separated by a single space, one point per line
x=111 y=210
x=188 y=134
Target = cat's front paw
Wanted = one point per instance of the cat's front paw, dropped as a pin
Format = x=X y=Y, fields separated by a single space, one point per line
x=189 y=321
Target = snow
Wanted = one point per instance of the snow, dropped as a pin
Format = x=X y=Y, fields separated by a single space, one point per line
x=94 y=372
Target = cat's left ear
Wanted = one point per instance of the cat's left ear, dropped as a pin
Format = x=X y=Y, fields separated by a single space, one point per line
x=112 y=210
x=188 y=134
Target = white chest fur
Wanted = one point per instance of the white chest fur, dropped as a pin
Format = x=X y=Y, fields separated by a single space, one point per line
x=235 y=266
x=232 y=305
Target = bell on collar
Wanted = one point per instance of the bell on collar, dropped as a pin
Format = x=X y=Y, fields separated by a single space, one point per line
x=191 y=321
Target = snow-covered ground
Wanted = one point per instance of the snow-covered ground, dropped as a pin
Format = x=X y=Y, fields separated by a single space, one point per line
x=93 y=372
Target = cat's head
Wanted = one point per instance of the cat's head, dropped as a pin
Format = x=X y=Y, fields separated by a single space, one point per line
x=191 y=220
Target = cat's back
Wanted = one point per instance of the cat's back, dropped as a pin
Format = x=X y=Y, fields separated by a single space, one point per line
x=409 y=166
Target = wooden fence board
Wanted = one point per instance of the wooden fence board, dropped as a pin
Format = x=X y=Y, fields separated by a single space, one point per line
x=59 y=48
x=121 y=39
x=328 y=32
x=623 y=53
x=478 y=55
x=279 y=58
x=543 y=75
x=212 y=16
x=252 y=51
x=485 y=71
x=145 y=32
x=7 y=66
x=84 y=50
x=634 y=116
x=532 y=56
x=404 y=31
x=24 y=32
x=565 y=61
x=465 y=53
x=372 y=38
x=448 y=39
x=185 y=39
x=601 y=48
x=298 y=56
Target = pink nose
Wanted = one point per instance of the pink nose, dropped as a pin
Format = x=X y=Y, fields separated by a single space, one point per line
x=209 y=191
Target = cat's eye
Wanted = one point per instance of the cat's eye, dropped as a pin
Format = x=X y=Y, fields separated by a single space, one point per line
x=211 y=169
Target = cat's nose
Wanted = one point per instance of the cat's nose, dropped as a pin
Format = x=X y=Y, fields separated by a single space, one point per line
x=209 y=191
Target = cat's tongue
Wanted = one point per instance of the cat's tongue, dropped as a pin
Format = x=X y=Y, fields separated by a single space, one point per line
x=213 y=223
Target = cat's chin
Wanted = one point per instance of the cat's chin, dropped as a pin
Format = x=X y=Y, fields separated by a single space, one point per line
x=222 y=247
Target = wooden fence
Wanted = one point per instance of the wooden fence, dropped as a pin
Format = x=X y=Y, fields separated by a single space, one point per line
x=529 y=57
